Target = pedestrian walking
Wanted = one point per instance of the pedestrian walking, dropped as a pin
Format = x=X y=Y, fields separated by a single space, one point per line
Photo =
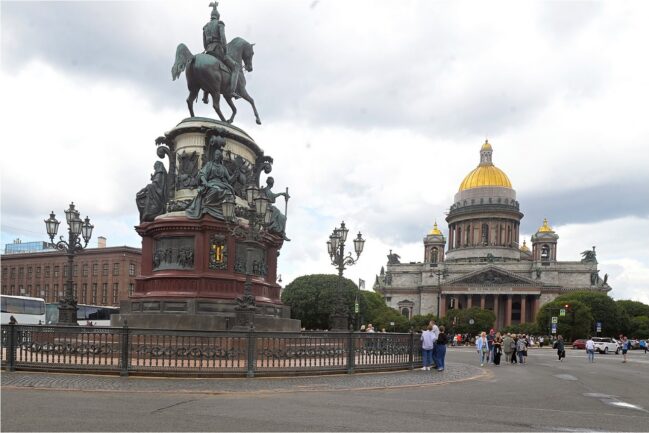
x=560 y=346
x=508 y=343
x=590 y=349
x=521 y=349
x=427 y=344
x=643 y=345
x=436 y=332
x=490 y=341
x=440 y=352
x=514 y=358
x=482 y=346
x=626 y=345
x=498 y=348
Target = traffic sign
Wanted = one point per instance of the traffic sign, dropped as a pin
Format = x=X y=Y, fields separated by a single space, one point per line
x=598 y=327
x=555 y=319
x=562 y=312
x=554 y=328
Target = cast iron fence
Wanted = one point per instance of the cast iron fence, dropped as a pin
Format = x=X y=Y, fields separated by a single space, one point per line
x=127 y=351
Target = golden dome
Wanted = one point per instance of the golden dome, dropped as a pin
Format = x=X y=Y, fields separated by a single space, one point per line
x=486 y=173
x=435 y=230
x=545 y=228
x=524 y=247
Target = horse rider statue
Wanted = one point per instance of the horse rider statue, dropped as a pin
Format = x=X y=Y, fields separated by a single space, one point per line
x=215 y=43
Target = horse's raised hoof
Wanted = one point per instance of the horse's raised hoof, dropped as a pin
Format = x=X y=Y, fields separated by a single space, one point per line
x=258 y=122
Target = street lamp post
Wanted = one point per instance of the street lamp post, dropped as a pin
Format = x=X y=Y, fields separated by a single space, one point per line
x=336 y=250
x=440 y=274
x=76 y=227
x=259 y=215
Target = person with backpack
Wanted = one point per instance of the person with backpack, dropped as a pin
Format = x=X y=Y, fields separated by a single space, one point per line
x=440 y=352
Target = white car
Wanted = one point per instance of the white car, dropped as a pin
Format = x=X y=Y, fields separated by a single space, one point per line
x=606 y=345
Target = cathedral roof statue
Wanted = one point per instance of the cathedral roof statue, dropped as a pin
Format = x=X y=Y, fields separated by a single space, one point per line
x=486 y=173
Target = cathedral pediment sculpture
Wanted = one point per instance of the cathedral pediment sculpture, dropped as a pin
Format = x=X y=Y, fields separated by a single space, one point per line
x=493 y=276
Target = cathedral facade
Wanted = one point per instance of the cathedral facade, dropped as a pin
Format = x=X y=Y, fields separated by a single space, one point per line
x=482 y=264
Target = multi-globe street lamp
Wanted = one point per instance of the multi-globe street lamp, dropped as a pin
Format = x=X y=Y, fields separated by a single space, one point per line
x=76 y=227
x=259 y=216
x=336 y=250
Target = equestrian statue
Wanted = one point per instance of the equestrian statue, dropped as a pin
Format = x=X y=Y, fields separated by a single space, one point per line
x=218 y=70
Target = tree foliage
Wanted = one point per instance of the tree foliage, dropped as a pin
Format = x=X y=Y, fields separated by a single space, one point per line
x=577 y=323
x=374 y=311
x=634 y=308
x=459 y=321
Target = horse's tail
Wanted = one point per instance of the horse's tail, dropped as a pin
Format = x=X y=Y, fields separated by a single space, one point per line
x=183 y=57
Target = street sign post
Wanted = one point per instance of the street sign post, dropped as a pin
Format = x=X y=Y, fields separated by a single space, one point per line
x=598 y=327
x=562 y=312
x=554 y=328
x=555 y=319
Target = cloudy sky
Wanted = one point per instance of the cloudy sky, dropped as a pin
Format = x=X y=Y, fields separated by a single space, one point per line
x=373 y=110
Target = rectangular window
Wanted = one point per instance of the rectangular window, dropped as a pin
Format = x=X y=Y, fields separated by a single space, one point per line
x=84 y=270
x=95 y=269
x=56 y=291
x=131 y=269
x=115 y=268
x=74 y=289
x=13 y=273
x=104 y=269
x=76 y=270
x=38 y=272
x=130 y=289
x=47 y=271
x=84 y=293
x=29 y=290
x=21 y=290
x=104 y=294
x=4 y=273
x=29 y=272
x=13 y=290
x=21 y=272
x=40 y=292
x=94 y=293
x=115 y=293
x=56 y=271
x=47 y=292
x=65 y=270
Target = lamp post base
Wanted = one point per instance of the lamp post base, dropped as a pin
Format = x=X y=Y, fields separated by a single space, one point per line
x=68 y=313
x=339 y=322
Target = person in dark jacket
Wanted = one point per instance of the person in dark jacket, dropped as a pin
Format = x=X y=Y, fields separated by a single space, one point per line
x=497 y=348
x=560 y=346
x=440 y=353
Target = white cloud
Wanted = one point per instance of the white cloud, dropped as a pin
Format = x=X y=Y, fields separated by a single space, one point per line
x=373 y=114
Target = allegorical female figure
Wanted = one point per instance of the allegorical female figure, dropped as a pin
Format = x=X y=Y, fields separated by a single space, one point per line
x=152 y=199
x=214 y=182
x=278 y=220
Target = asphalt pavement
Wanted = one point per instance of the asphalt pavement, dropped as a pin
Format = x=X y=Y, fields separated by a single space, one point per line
x=544 y=395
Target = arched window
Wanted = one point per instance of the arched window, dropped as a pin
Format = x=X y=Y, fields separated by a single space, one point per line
x=545 y=252
x=433 y=255
x=485 y=234
x=405 y=312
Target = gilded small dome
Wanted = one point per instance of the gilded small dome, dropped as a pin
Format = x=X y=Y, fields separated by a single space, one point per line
x=435 y=230
x=486 y=173
x=545 y=228
x=524 y=247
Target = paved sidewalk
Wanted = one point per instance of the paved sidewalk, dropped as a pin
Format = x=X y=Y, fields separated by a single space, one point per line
x=86 y=382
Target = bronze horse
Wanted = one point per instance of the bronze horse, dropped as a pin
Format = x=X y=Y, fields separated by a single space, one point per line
x=206 y=72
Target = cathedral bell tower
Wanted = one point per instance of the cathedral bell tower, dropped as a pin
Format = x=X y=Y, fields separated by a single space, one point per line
x=544 y=244
x=434 y=244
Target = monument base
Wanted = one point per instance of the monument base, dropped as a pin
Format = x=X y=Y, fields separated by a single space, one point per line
x=200 y=315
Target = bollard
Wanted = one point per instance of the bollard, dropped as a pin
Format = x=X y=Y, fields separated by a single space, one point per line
x=11 y=349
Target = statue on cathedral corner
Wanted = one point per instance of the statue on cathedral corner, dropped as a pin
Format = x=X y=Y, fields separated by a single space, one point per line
x=393 y=258
x=589 y=256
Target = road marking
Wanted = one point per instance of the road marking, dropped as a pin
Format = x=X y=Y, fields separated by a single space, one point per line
x=613 y=401
x=565 y=376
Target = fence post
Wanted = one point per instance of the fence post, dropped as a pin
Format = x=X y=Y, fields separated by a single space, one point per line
x=252 y=354
x=412 y=350
x=11 y=348
x=351 y=358
x=124 y=350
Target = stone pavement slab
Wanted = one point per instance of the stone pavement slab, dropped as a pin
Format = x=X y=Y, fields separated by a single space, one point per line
x=91 y=382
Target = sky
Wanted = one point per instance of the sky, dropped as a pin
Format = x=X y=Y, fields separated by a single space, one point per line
x=373 y=111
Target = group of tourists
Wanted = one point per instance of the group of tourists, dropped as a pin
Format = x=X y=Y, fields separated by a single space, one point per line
x=433 y=346
x=492 y=346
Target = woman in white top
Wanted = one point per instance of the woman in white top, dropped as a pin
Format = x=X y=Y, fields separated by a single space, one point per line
x=482 y=346
x=590 y=349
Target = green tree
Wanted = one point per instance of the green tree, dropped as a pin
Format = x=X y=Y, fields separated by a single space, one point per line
x=373 y=310
x=459 y=321
x=615 y=320
x=311 y=298
x=577 y=323
x=634 y=308
x=419 y=322
x=639 y=327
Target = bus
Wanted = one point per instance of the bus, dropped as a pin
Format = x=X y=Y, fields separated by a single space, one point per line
x=25 y=309
x=87 y=315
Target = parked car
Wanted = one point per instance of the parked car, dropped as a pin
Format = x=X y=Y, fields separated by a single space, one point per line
x=635 y=344
x=606 y=345
x=579 y=344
